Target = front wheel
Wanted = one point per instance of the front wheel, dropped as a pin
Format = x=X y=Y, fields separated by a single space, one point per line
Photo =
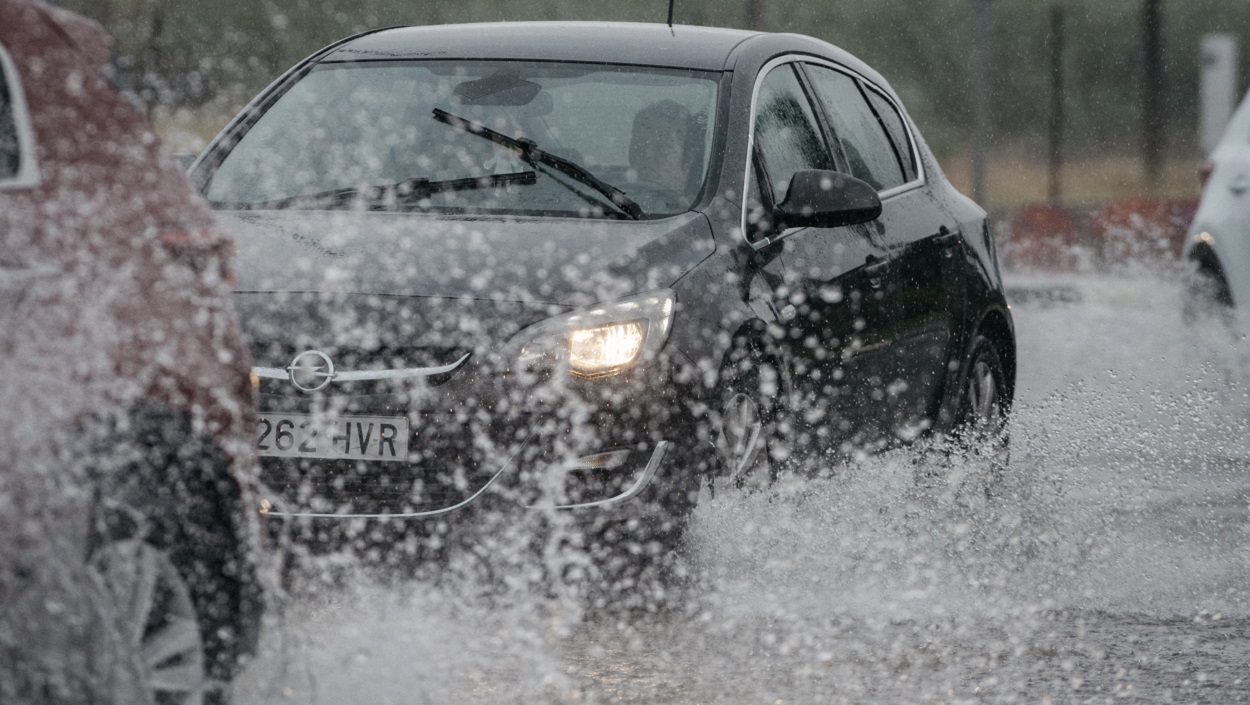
x=154 y=620
x=168 y=518
x=749 y=428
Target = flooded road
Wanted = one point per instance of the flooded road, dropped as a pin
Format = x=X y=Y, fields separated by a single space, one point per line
x=1115 y=564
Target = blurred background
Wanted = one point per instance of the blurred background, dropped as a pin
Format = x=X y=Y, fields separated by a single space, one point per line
x=1086 y=101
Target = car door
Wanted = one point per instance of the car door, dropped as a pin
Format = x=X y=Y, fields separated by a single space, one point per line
x=924 y=291
x=831 y=304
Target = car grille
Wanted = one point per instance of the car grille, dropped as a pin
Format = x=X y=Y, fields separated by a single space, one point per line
x=280 y=355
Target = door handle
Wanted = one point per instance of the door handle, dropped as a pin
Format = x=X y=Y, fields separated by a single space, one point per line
x=874 y=268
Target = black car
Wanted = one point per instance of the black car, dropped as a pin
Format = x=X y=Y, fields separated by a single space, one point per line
x=592 y=267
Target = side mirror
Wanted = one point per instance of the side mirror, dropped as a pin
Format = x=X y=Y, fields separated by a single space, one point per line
x=826 y=199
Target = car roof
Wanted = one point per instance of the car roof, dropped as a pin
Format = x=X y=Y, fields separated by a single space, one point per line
x=679 y=46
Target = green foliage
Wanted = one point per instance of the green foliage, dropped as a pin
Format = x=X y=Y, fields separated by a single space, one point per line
x=187 y=51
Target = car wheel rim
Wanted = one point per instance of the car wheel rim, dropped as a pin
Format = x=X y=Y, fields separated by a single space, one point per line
x=740 y=437
x=156 y=618
x=983 y=396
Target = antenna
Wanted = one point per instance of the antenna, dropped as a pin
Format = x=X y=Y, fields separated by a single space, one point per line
x=670 y=13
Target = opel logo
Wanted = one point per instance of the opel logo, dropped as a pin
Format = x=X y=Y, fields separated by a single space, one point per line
x=311 y=370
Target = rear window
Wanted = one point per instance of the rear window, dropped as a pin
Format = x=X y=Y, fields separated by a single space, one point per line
x=870 y=152
x=898 y=132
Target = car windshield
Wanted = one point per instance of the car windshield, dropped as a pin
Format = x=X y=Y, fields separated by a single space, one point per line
x=353 y=135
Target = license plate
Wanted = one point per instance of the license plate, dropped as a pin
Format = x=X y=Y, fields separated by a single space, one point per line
x=343 y=437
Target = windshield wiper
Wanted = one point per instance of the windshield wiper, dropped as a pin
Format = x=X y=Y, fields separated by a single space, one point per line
x=531 y=154
x=407 y=190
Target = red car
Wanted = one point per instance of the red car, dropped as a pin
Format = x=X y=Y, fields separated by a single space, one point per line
x=127 y=567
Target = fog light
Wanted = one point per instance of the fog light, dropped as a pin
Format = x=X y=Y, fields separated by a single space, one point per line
x=601 y=461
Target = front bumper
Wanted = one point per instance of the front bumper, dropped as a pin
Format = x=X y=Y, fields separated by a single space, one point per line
x=642 y=481
x=617 y=447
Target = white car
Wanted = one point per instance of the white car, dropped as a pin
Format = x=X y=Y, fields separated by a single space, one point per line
x=1218 y=246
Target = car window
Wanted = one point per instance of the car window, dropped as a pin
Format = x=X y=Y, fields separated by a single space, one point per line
x=17 y=152
x=868 y=150
x=1237 y=132
x=786 y=130
x=10 y=152
x=894 y=125
x=645 y=131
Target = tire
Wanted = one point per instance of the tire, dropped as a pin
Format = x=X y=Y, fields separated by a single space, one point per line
x=748 y=430
x=1206 y=294
x=984 y=397
x=980 y=433
x=632 y=568
x=165 y=495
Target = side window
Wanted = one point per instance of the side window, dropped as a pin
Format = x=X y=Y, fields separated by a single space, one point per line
x=786 y=130
x=10 y=157
x=17 y=159
x=868 y=149
x=898 y=132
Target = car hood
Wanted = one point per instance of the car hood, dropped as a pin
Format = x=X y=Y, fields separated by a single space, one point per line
x=561 y=261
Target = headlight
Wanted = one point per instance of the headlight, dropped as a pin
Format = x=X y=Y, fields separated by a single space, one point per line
x=602 y=340
x=606 y=348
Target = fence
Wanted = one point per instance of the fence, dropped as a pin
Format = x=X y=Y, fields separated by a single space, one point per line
x=1134 y=232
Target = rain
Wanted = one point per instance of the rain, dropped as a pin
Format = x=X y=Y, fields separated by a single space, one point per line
x=1114 y=567
x=769 y=351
